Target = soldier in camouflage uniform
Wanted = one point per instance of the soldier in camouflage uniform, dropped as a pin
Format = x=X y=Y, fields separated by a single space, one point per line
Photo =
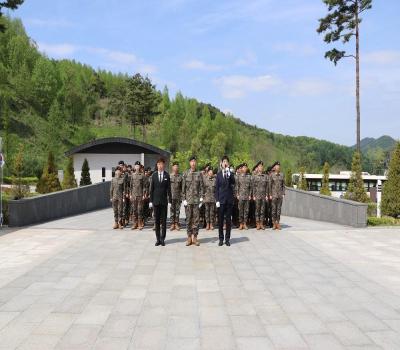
x=176 y=191
x=260 y=194
x=202 y=221
x=209 y=198
x=127 y=203
x=244 y=193
x=277 y=192
x=117 y=198
x=137 y=195
x=192 y=196
x=146 y=209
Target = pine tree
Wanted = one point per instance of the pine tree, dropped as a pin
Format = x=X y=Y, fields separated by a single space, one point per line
x=356 y=190
x=288 y=178
x=8 y=4
x=19 y=190
x=302 y=180
x=49 y=182
x=325 y=181
x=69 y=180
x=391 y=188
x=85 y=174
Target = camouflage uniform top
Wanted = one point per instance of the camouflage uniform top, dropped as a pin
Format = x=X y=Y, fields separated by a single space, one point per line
x=176 y=186
x=117 y=188
x=127 y=183
x=260 y=185
x=209 y=189
x=244 y=188
x=137 y=184
x=277 y=185
x=192 y=187
x=147 y=184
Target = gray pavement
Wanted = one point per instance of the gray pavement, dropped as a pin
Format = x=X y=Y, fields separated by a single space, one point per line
x=77 y=284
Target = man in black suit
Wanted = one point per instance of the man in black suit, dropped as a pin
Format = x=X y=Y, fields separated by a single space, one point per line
x=160 y=197
x=224 y=196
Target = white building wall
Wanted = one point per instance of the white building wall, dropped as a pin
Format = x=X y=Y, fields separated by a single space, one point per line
x=97 y=161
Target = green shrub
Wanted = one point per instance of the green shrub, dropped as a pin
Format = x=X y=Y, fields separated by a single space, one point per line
x=383 y=221
x=371 y=209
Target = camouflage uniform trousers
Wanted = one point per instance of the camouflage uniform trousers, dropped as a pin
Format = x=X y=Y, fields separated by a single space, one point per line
x=174 y=211
x=260 y=210
x=209 y=209
x=118 y=208
x=137 y=208
x=243 y=211
x=276 y=209
x=127 y=208
x=192 y=219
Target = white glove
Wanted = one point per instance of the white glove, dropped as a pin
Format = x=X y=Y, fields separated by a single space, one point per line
x=169 y=204
x=150 y=205
x=200 y=204
x=217 y=204
x=185 y=203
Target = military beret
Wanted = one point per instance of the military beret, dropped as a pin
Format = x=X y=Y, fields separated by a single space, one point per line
x=244 y=164
x=210 y=168
x=260 y=162
x=175 y=163
x=121 y=162
x=137 y=163
x=192 y=158
x=208 y=165
x=276 y=163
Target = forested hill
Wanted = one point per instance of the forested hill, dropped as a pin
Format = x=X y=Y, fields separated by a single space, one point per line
x=49 y=105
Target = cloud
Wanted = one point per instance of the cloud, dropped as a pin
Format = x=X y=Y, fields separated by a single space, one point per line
x=37 y=22
x=238 y=86
x=58 y=50
x=309 y=87
x=248 y=59
x=294 y=48
x=112 y=59
x=200 y=65
x=382 y=57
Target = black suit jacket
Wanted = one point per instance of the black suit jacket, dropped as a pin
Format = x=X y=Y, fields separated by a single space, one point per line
x=225 y=188
x=160 y=193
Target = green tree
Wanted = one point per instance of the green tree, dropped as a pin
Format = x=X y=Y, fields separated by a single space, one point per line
x=19 y=189
x=49 y=182
x=8 y=4
x=342 y=23
x=391 y=188
x=288 y=178
x=69 y=180
x=325 y=181
x=302 y=180
x=356 y=190
x=85 y=174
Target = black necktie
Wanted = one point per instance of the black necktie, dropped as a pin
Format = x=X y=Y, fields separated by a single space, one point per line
x=160 y=177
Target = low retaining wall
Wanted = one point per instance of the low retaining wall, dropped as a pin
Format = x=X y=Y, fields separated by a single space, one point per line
x=56 y=205
x=313 y=206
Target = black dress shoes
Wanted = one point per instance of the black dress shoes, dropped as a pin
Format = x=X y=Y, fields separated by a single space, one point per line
x=228 y=243
x=220 y=243
x=158 y=243
x=163 y=243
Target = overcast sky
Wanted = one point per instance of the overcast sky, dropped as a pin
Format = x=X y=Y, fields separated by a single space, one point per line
x=261 y=60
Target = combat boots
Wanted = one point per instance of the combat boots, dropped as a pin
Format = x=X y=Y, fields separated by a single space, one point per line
x=258 y=227
x=115 y=225
x=134 y=224
x=241 y=226
x=278 y=226
x=195 y=241
x=211 y=227
x=172 y=227
x=274 y=226
x=177 y=226
x=262 y=227
x=189 y=241
x=140 y=225
x=208 y=227
x=245 y=227
x=121 y=225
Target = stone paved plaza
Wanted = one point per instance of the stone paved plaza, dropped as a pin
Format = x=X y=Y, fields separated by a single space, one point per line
x=76 y=284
